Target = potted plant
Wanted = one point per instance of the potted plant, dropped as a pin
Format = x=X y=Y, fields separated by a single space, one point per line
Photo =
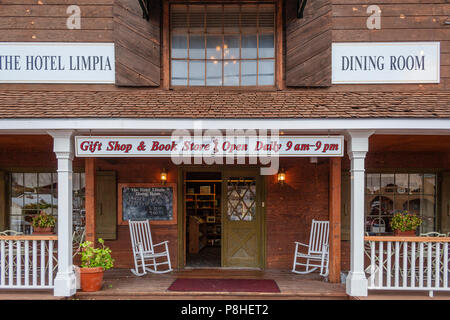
x=43 y=223
x=94 y=261
x=405 y=224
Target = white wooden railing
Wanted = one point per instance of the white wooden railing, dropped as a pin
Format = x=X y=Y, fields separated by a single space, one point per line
x=27 y=261
x=407 y=263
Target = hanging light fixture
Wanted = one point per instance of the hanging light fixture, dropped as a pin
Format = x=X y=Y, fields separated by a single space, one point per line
x=163 y=176
x=281 y=176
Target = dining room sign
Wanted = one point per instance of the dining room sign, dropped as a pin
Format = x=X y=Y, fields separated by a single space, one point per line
x=212 y=146
x=56 y=62
x=385 y=62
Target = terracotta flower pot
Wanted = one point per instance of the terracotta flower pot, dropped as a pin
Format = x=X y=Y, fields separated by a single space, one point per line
x=39 y=230
x=91 y=279
x=408 y=233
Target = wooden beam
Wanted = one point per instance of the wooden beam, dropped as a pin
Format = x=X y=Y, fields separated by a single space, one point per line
x=165 y=46
x=89 y=167
x=335 y=220
x=279 y=47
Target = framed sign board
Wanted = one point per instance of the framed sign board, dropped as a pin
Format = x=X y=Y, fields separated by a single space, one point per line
x=147 y=201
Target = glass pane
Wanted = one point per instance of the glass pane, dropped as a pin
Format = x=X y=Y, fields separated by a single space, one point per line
x=214 y=47
x=214 y=18
x=373 y=183
x=241 y=199
x=197 y=47
x=17 y=184
x=266 y=46
x=387 y=183
x=231 y=73
x=231 y=22
x=45 y=192
x=429 y=184
x=31 y=199
x=196 y=73
x=428 y=214
x=231 y=47
x=179 y=46
x=179 y=73
x=214 y=73
x=82 y=184
x=249 y=45
x=17 y=200
x=197 y=18
x=401 y=181
x=266 y=69
x=415 y=183
x=248 y=73
x=249 y=18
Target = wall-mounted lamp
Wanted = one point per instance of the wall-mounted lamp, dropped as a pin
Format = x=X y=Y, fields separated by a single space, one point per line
x=163 y=176
x=281 y=176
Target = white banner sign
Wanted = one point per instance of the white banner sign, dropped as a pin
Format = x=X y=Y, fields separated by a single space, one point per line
x=56 y=62
x=208 y=146
x=381 y=62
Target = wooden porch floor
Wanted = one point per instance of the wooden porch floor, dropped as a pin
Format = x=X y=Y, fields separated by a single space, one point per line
x=122 y=284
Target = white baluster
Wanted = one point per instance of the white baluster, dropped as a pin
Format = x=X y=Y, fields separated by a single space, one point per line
x=421 y=265
x=42 y=262
x=34 y=271
x=405 y=266
x=445 y=284
x=18 y=263
x=413 y=264
x=10 y=262
x=380 y=265
x=429 y=253
x=397 y=254
x=388 y=276
x=437 y=259
x=372 y=264
x=50 y=263
x=2 y=259
x=27 y=263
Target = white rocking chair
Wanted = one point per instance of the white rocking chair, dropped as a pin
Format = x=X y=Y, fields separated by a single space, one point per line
x=143 y=250
x=317 y=253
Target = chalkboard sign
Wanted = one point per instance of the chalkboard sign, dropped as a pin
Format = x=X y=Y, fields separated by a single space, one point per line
x=155 y=202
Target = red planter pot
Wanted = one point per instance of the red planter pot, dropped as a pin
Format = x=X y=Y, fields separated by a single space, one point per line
x=409 y=233
x=38 y=230
x=91 y=279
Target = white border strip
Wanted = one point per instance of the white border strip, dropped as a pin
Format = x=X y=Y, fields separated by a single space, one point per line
x=235 y=124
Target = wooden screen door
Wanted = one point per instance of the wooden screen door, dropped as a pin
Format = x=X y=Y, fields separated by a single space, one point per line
x=241 y=219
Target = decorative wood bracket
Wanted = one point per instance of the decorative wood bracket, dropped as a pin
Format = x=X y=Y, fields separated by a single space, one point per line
x=145 y=6
x=300 y=8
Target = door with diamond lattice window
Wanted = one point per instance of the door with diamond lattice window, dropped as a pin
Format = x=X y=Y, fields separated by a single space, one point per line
x=241 y=237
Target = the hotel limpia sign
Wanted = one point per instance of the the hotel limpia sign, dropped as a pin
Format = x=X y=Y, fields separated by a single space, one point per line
x=210 y=146
x=385 y=62
x=56 y=62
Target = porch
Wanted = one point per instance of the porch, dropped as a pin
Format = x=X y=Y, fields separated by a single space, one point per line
x=122 y=284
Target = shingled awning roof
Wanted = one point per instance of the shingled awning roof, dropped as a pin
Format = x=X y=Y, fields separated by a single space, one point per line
x=156 y=103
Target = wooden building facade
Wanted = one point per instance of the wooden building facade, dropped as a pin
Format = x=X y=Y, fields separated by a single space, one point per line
x=227 y=65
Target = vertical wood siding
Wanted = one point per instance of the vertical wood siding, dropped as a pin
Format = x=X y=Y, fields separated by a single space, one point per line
x=401 y=20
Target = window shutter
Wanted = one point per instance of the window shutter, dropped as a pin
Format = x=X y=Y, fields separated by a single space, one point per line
x=308 y=44
x=137 y=44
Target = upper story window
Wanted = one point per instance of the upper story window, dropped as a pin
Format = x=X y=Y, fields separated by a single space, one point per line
x=222 y=45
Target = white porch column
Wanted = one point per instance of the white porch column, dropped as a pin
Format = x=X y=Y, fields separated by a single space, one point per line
x=357 y=145
x=65 y=281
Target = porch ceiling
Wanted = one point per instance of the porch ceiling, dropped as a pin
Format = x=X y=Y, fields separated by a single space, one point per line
x=409 y=143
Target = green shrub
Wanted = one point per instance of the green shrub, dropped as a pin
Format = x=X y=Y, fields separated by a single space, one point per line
x=96 y=257
x=44 y=220
x=405 y=221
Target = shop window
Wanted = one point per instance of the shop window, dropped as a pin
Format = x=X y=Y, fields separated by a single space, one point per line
x=388 y=193
x=33 y=192
x=222 y=45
